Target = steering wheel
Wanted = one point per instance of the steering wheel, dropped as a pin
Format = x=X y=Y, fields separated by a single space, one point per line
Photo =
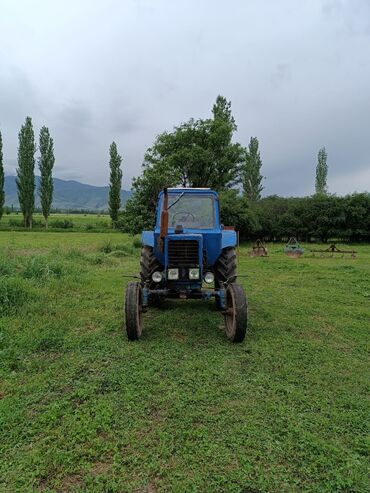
x=184 y=218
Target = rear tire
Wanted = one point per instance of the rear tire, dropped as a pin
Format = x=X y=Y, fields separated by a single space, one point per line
x=236 y=313
x=225 y=270
x=133 y=310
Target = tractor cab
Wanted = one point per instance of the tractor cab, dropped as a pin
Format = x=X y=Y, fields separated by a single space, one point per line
x=190 y=255
x=193 y=237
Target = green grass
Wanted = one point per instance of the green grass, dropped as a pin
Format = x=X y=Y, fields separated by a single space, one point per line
x=182 y=410
x=59 y=221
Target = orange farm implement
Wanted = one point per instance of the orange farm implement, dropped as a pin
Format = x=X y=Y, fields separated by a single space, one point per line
x=258 y=250
x=332 y=250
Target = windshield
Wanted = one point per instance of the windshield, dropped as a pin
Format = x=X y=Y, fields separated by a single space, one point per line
x=191 y=211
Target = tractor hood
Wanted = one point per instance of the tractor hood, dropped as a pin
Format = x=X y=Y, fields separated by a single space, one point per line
x=209 y=245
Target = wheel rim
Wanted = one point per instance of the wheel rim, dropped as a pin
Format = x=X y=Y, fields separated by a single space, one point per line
x=230 y=313
x=139 y=314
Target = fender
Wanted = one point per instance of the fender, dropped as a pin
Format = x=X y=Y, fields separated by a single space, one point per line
x=147 y=238
x=228 y=238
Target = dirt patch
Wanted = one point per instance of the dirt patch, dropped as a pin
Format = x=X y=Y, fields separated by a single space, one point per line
x=179 y=337
x=69 y=482
x=100 y=468
x=151 y=488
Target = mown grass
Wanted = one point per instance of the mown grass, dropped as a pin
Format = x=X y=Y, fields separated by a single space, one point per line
x=182 y=410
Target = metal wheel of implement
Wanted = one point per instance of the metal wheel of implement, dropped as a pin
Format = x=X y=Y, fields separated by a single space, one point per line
x=133 y=310
x=236 y=313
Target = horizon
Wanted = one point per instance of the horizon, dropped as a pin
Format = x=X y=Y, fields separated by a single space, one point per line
x=234 y=188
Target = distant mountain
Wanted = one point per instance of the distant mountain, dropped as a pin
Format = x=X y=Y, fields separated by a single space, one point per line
x=68 y=194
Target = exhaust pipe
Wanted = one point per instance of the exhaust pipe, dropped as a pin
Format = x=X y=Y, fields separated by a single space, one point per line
x=164 y=216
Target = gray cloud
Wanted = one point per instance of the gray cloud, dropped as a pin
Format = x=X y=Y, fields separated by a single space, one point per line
x=297 y=74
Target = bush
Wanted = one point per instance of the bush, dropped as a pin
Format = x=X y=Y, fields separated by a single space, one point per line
x=39 y=268
x=137 y=243
x=13 y=294
x=96 y=259
x=16 y=223
x=106 y=247
x=124 y=249
x=6 y=267
x=61 y=224
x=320 y=217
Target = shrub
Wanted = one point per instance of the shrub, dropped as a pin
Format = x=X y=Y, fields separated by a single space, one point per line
x=106 y=247
x=13 y=294
x=123 y=249
x=96 y=259
x=6 y=267
x=39 y=268
x=61 y=224
x=103 y=225
x=16 y=223
x=136 y=243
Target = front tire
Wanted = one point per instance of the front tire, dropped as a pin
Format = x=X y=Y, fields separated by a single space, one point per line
x=148 y=265
x=133 y=310
x=236 y=313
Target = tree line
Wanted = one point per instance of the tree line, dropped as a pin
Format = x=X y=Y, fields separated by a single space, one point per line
x=25 y=179
x=203 y=153
x=316 y=218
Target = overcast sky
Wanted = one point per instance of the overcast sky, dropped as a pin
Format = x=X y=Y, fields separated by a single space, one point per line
x=296 y=71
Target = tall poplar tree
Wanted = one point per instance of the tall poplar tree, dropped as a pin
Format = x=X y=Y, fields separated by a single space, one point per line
x=251 y=171
x=46 y=164
x=115 y=183
x=2 y=179
x=321 y=172
x=26 y=171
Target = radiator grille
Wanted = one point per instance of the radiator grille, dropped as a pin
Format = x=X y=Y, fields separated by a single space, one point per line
x=183 y=253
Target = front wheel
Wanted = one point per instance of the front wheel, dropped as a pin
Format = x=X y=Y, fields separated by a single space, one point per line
x=133 y=310
x=236 y=313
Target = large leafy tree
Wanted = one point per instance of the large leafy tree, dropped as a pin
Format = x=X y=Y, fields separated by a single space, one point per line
x=2 y=178
x=198 y=153
x=251 y=171
x=321 y=172
x=26 y=171
x=115 y=183
x=46 y=164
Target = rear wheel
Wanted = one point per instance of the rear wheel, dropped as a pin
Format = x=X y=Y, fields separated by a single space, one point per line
x=148 y=265
x=225 y=270
x=133 y=310
x=236 y=313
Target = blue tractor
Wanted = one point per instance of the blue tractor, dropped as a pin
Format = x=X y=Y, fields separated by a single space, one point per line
x=190 y=254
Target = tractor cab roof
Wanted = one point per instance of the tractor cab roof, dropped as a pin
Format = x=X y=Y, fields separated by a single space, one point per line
x=186 y=190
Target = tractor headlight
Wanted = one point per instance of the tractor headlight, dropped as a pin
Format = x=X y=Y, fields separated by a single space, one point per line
x=157 y=276
x=173 y=274
x=193 y=274
x=209 y=277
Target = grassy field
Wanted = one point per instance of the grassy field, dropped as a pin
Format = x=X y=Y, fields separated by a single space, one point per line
x=182 y=410
x=59 y=221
